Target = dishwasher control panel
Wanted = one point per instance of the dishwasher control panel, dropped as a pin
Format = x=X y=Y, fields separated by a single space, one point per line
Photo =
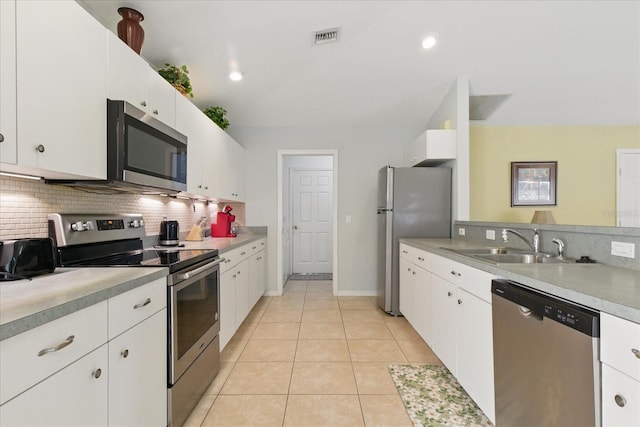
x=541 y=306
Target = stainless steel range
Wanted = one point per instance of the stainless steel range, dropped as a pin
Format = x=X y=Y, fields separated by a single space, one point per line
x=193 y=354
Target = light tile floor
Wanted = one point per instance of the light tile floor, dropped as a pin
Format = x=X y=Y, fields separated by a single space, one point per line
x=308 y=358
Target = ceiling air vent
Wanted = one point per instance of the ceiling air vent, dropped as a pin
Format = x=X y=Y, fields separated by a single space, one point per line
x=326 y=36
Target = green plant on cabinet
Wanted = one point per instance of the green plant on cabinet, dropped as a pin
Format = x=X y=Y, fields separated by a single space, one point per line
x=217 y=114
x=178 y=77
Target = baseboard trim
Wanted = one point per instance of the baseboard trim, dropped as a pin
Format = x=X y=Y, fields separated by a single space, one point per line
x=356 y=293
x=271 y=294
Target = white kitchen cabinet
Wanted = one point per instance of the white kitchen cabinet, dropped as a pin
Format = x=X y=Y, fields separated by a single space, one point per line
x=620 y=355
x=203 y=147
x=257 y=276
x=449 y=305
x=74 y=396
x=130 y=78
x=231 y=168
x=8 y=142
x=620 y=399
x=227 y=306
x=445 y=317
x=242 y=277
x=406 y=279
x=61 y=89
x=474 y=362
x=431 y=147
x=69 y=382
x=137 y=374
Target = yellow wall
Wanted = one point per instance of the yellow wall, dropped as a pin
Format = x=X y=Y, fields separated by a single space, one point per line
x=586 y=178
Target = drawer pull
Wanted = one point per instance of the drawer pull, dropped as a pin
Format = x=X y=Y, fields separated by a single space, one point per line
x=459 y=301
x=420 y=258
x=147 y=302
x=60 y=346
x=242 y=253
x=125 y=353
x=449 y=294
x=620 y=400
x=405 y=252
x=636 y=352
x=96 y=374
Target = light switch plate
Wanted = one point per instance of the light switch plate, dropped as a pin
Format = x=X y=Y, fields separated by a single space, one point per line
x=461 y=231
x=491 y=234
x=627 y=250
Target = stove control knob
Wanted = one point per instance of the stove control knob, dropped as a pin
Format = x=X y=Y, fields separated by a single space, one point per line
x=77 y=226
x=89 y=226
x=134 y=224
x=141 y=223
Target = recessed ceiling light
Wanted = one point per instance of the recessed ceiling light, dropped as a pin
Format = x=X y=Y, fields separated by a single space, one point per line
x=235 y=76
x=428 y=42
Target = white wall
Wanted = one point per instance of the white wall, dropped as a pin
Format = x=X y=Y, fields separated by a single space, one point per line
x=455 y=107
x=361 y=152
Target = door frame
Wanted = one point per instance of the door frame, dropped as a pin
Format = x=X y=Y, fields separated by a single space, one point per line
x=280 y=211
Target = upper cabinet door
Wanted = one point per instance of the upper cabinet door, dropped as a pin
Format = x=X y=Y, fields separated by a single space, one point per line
x=127 y=74
x=62 y=87
x=130 y=78
x=8 y=143
x=231 y=172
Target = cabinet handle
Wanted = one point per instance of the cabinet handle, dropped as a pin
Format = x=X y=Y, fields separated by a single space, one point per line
x=242 y=253
x=140 y=305
x=206 y=187
x=96 y=374
x=449 y=294
x=455 y=274
x=620 y=400
x=459 y=301
x=420 y=259
x=155 y=112
x=1 y=137
x=414 y=273
x=60 y=346
x=253 y=247
x=40 y=148
x=405 y=252
x=125 y=353
x=238 y=273
x=143 y=103
x=636 y=352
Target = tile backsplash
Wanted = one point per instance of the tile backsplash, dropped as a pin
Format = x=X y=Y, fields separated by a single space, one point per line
x=25 y=204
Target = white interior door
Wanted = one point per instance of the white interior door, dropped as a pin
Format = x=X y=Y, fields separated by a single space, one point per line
x=628 y=182
x=312 y=199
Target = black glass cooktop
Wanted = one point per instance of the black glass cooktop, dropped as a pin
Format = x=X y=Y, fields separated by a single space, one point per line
x=175 y=258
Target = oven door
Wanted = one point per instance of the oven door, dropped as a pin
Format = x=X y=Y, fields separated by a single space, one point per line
x=193 y=314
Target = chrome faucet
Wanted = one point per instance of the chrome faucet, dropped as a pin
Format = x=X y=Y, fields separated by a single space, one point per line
x=533 y=244
x=560 y=244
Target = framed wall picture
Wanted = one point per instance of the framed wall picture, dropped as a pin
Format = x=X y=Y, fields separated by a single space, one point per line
x=533 y=183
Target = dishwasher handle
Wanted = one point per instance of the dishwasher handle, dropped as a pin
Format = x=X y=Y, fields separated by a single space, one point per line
x=527 y=312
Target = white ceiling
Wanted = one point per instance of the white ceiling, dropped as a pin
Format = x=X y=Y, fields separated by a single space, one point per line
x=565 y=62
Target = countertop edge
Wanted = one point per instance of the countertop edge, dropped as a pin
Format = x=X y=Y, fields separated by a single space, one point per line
x=39 y=318
x=525 y=275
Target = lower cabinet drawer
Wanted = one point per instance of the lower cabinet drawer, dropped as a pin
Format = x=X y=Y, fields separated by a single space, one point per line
x=32 y=356
x=620 y=344
x=132 y=307
x=620 y=399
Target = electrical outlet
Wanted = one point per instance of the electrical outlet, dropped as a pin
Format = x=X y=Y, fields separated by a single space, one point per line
x=490 y=234
x=627 y=250
x=461 y=231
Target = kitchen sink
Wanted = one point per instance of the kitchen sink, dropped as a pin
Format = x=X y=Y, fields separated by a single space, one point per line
x=484 y=251
x=523 y=258
x=502 y=255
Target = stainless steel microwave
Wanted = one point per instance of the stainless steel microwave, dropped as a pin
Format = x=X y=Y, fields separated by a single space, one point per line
x=142 y=150
x=144 y=155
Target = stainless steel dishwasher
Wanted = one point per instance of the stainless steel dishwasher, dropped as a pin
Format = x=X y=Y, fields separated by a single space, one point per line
x=546 y=359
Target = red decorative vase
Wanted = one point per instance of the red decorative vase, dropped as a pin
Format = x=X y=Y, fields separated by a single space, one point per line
x=129 y=29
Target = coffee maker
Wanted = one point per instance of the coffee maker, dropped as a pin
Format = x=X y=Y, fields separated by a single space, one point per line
x=169 y=233
x=222 y=226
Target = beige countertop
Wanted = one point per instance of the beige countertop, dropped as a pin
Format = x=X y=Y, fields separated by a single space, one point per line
x=613 y=290
x=28 y=304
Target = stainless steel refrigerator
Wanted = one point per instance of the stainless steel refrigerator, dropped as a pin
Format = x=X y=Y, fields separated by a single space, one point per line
x=412 y=202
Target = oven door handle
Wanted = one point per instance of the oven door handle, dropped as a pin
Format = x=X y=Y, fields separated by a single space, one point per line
x=189 y=274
